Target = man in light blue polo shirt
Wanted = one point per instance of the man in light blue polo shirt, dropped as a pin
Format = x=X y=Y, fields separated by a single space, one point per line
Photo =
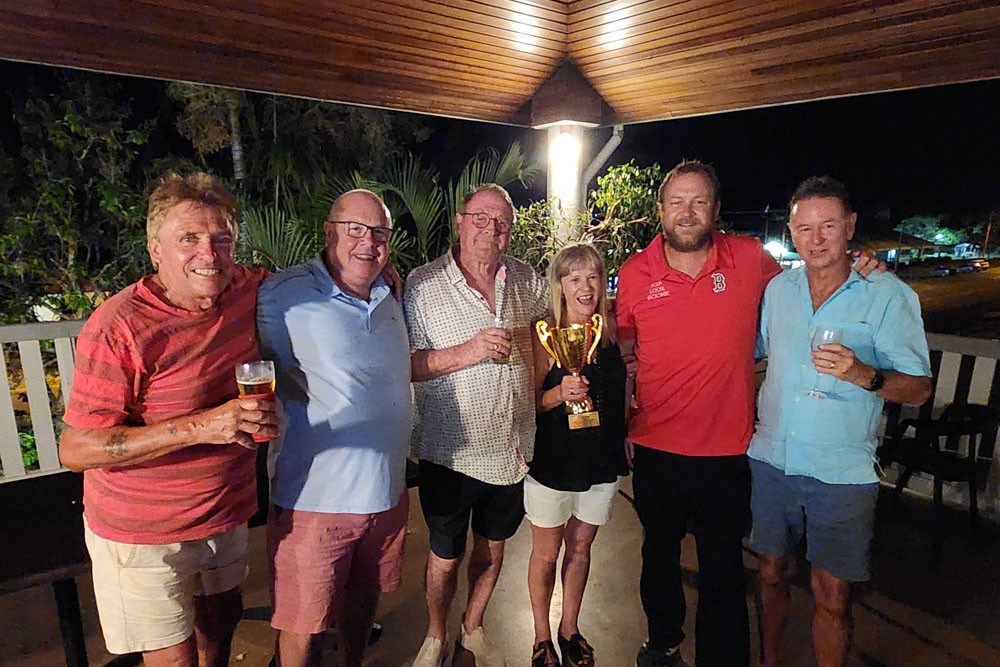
x=812 y=455
x=342 y=357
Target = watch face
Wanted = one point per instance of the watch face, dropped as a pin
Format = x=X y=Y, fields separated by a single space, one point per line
x=877 y=381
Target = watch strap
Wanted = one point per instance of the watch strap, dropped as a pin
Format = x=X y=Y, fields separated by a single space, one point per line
x=877 y=381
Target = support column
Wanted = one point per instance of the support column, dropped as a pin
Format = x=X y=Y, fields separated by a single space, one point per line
x=564 y=170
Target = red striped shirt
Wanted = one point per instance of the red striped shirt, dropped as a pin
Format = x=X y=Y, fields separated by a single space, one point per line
x=140 y=361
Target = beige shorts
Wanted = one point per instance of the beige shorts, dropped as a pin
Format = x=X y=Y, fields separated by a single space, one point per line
x=145 y=592
x=549 y=508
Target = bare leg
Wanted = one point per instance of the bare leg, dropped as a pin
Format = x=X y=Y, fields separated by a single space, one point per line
x=215 y=620
x=575 y=570
x=356 y=621
x=545 y=546
x=774 y=583
x=831 y=622
x=484 y=570
x=441 y=579
x=295 y=649
x=184 y=654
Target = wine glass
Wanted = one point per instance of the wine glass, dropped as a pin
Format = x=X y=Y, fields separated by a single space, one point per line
x=823 y=336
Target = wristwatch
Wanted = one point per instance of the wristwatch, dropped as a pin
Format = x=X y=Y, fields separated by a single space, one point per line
x=877 y=381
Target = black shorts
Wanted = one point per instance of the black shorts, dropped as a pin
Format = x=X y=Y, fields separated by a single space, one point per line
x=448 y=498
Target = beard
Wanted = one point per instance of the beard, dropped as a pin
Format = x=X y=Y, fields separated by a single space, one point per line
x=688 y=243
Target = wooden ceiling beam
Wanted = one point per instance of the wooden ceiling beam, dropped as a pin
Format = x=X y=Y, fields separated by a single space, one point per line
x=484 y=59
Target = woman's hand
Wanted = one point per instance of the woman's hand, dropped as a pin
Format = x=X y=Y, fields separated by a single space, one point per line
x=573 y=387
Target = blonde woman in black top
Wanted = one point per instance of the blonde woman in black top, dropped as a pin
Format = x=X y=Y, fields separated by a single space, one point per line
x=574 y=474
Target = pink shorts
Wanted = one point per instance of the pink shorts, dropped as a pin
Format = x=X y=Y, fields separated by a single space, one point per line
x=314 y=556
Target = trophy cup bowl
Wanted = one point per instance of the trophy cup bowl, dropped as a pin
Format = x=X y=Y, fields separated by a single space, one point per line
x=573 y=347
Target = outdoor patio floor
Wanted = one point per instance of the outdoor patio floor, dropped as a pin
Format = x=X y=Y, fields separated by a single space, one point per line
x=908 y=615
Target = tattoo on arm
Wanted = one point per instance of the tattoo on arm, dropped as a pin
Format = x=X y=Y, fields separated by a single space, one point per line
x=173 y=430
x=115 y=446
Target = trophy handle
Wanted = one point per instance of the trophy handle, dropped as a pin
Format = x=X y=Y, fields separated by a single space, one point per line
x=544 y=335
x=597 y=322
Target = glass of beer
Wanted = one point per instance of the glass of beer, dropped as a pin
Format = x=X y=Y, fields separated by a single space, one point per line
x=255 y=378
x=503 y=323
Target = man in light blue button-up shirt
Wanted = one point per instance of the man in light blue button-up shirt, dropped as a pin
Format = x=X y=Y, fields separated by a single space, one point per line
x=342 y=356
x=813 y=449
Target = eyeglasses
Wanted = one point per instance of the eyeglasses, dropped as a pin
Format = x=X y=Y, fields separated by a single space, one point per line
x=357 y=230
x=480 y=220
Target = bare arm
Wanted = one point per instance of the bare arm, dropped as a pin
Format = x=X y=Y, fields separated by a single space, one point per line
x=839 y=361
x=488 y=343
x=123 y=446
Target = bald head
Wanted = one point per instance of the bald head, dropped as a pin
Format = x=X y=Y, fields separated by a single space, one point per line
x=357 y=241
x=360 y=200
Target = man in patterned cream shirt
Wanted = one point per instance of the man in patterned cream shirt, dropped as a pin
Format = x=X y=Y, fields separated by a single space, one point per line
x=469 y=315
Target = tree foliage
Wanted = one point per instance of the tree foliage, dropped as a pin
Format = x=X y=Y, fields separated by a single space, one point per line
x=931 y=228
x=75 y=204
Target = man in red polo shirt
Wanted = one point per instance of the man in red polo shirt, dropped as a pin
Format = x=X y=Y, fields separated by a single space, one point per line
x=688 y=307
x=165 y=445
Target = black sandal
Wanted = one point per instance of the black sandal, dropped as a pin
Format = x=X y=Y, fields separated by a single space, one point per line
x=544 y=655
x=576 y=651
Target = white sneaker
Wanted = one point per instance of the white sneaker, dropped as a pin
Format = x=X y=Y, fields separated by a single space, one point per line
x=485 y=652
x=433 y=653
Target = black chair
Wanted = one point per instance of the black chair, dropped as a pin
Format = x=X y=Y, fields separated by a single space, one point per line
x=935 y=447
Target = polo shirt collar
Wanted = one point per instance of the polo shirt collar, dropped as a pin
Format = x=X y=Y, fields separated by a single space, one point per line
x=328 y=287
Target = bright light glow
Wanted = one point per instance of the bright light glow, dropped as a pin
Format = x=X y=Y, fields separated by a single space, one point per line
x=556 y=123
x=525 y=32
x=939 y=236
x=776 y=249
x=892 y=253
x=613 y=34
x=564 y=174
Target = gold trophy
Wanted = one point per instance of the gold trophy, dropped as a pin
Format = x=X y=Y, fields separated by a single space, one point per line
x=573 y=348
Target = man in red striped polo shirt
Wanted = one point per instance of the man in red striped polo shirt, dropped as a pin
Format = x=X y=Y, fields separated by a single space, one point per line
x=164 y=443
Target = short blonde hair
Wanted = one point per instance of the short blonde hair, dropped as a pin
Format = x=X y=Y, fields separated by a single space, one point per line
x=201 y=189
x=567 y=259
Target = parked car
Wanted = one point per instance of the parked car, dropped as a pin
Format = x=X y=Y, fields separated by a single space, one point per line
x=970 y=265
x=925 y=268
x=961 y=266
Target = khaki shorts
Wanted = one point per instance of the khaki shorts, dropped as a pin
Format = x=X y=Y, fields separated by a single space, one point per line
x=145 y=592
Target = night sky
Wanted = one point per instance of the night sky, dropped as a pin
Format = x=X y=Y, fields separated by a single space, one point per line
x=926 y=151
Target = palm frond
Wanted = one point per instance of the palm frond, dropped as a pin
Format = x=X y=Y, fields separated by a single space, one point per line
x=275 y=240
x=489 y=166
x=417 y=188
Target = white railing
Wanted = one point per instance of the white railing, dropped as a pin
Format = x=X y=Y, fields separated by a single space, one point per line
x=967 y=371
x=28 y=341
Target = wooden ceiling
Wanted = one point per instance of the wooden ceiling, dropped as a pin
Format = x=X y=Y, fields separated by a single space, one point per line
x=484 y=59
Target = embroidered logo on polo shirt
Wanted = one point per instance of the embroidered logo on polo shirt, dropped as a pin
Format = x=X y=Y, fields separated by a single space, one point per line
x=657 y=291
x=720 y=282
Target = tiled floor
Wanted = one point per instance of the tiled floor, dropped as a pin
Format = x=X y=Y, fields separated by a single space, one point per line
x=908 y=615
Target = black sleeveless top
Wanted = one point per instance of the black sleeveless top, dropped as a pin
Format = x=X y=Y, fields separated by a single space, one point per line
x=568 y=460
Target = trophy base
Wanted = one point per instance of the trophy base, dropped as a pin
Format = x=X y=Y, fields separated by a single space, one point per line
x=584 y=420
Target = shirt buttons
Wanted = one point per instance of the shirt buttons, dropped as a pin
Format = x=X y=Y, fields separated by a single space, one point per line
x=796 y=399
x=792 y=432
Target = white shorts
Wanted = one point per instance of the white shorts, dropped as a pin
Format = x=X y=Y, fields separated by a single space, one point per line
x=145 y=592
x=549 y=508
